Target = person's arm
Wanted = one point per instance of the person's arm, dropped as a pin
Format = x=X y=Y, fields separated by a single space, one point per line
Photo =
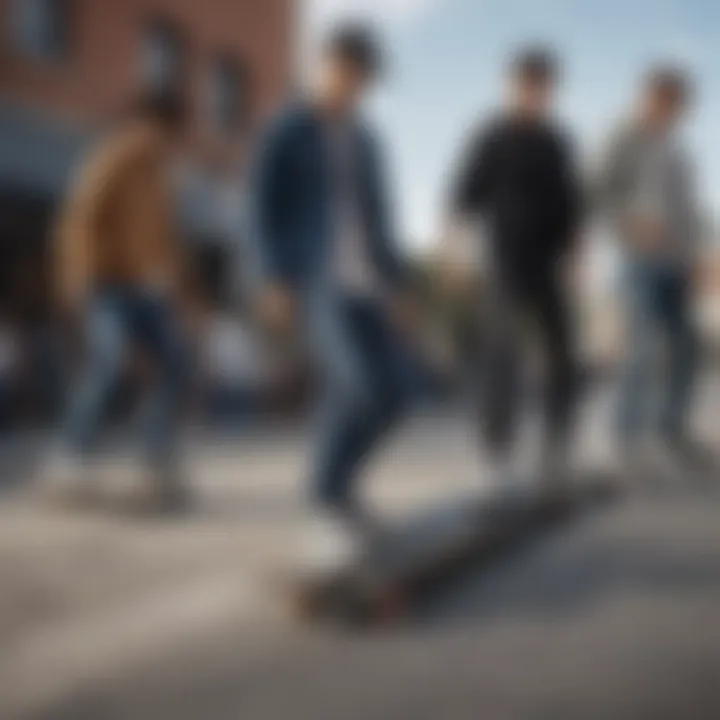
x=610 y=181
x=473 y=184
x=82 y=218
x=271 y=274
x=639 y=227
x=611 y=194
x=696 y=229
x=388 y=257
x=470 y=192
x=265 y=184
x=387 y=252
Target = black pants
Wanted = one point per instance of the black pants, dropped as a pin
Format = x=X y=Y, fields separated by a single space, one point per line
x=518 y=314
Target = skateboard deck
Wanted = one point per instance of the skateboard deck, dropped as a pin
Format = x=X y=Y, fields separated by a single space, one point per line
x=420 y=554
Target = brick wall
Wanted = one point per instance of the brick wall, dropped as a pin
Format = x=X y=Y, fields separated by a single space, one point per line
x=102 y=69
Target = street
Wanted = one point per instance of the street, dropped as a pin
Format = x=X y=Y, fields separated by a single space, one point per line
x=616 y=616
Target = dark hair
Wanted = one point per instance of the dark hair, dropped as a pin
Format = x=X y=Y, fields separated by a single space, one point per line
x=536 y=64
x=358 y=45
x=166 y=107
x=671 y=81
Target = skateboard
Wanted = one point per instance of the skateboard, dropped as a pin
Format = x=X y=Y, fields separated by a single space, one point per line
x=421 y=554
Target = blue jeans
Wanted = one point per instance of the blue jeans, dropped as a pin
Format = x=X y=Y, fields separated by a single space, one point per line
x=364 y=371
x=232 y=405
x=114 y=318
x=656 y=392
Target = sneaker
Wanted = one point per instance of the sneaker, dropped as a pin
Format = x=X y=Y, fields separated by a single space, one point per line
x=160 y=490
x=332 y=544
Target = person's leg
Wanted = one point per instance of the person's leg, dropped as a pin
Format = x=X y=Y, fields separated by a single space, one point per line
x=158 y=331
x=355 y=418
x=343 y=399
x=553 y=324
x=500 y=376
x=365 y=394
x=390 y=377
x=676 y=311
x=562 y=376
x=106 y=330
x=639 y=376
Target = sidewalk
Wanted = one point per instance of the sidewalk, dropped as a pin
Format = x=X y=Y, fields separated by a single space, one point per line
x=84 y=595
x=86 y=599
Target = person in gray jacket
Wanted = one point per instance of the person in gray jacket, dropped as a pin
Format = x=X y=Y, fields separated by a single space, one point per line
x=647 y=189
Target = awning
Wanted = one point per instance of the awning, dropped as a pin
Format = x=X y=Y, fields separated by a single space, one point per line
x=37 y=155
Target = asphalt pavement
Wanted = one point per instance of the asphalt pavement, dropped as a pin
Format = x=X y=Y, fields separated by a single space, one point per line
x=616 y=616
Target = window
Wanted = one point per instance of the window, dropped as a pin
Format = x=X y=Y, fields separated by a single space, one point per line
x=42 y=27
x=228 y=96
x=163 y=57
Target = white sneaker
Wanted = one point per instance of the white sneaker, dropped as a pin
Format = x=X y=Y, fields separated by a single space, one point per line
x=331 y=545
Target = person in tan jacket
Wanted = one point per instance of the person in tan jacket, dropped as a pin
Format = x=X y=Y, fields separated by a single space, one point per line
x=119 y=270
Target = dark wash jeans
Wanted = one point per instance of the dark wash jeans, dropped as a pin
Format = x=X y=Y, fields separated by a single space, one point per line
x=366 y=380
x=115 y=317
x=659 y=376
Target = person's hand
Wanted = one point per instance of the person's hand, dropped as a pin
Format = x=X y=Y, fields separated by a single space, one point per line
x=405 y=313
x=699 y=275
x=645 y=231
x=277 y=309
x=455 y=277
x=455 y=257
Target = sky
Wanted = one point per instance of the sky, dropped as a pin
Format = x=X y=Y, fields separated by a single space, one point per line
x=447 y=60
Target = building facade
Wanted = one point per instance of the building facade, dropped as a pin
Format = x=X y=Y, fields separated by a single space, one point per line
x=68 y=67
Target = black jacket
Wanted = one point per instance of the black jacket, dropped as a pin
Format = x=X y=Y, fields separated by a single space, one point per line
x=519 y=176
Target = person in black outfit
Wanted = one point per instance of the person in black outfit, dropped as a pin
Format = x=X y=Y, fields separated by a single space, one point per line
x=518 y=177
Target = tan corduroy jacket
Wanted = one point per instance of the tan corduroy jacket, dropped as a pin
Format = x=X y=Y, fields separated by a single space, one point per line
x=116 y=228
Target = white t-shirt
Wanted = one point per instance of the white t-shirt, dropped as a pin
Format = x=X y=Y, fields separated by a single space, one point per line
x=354 y=272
